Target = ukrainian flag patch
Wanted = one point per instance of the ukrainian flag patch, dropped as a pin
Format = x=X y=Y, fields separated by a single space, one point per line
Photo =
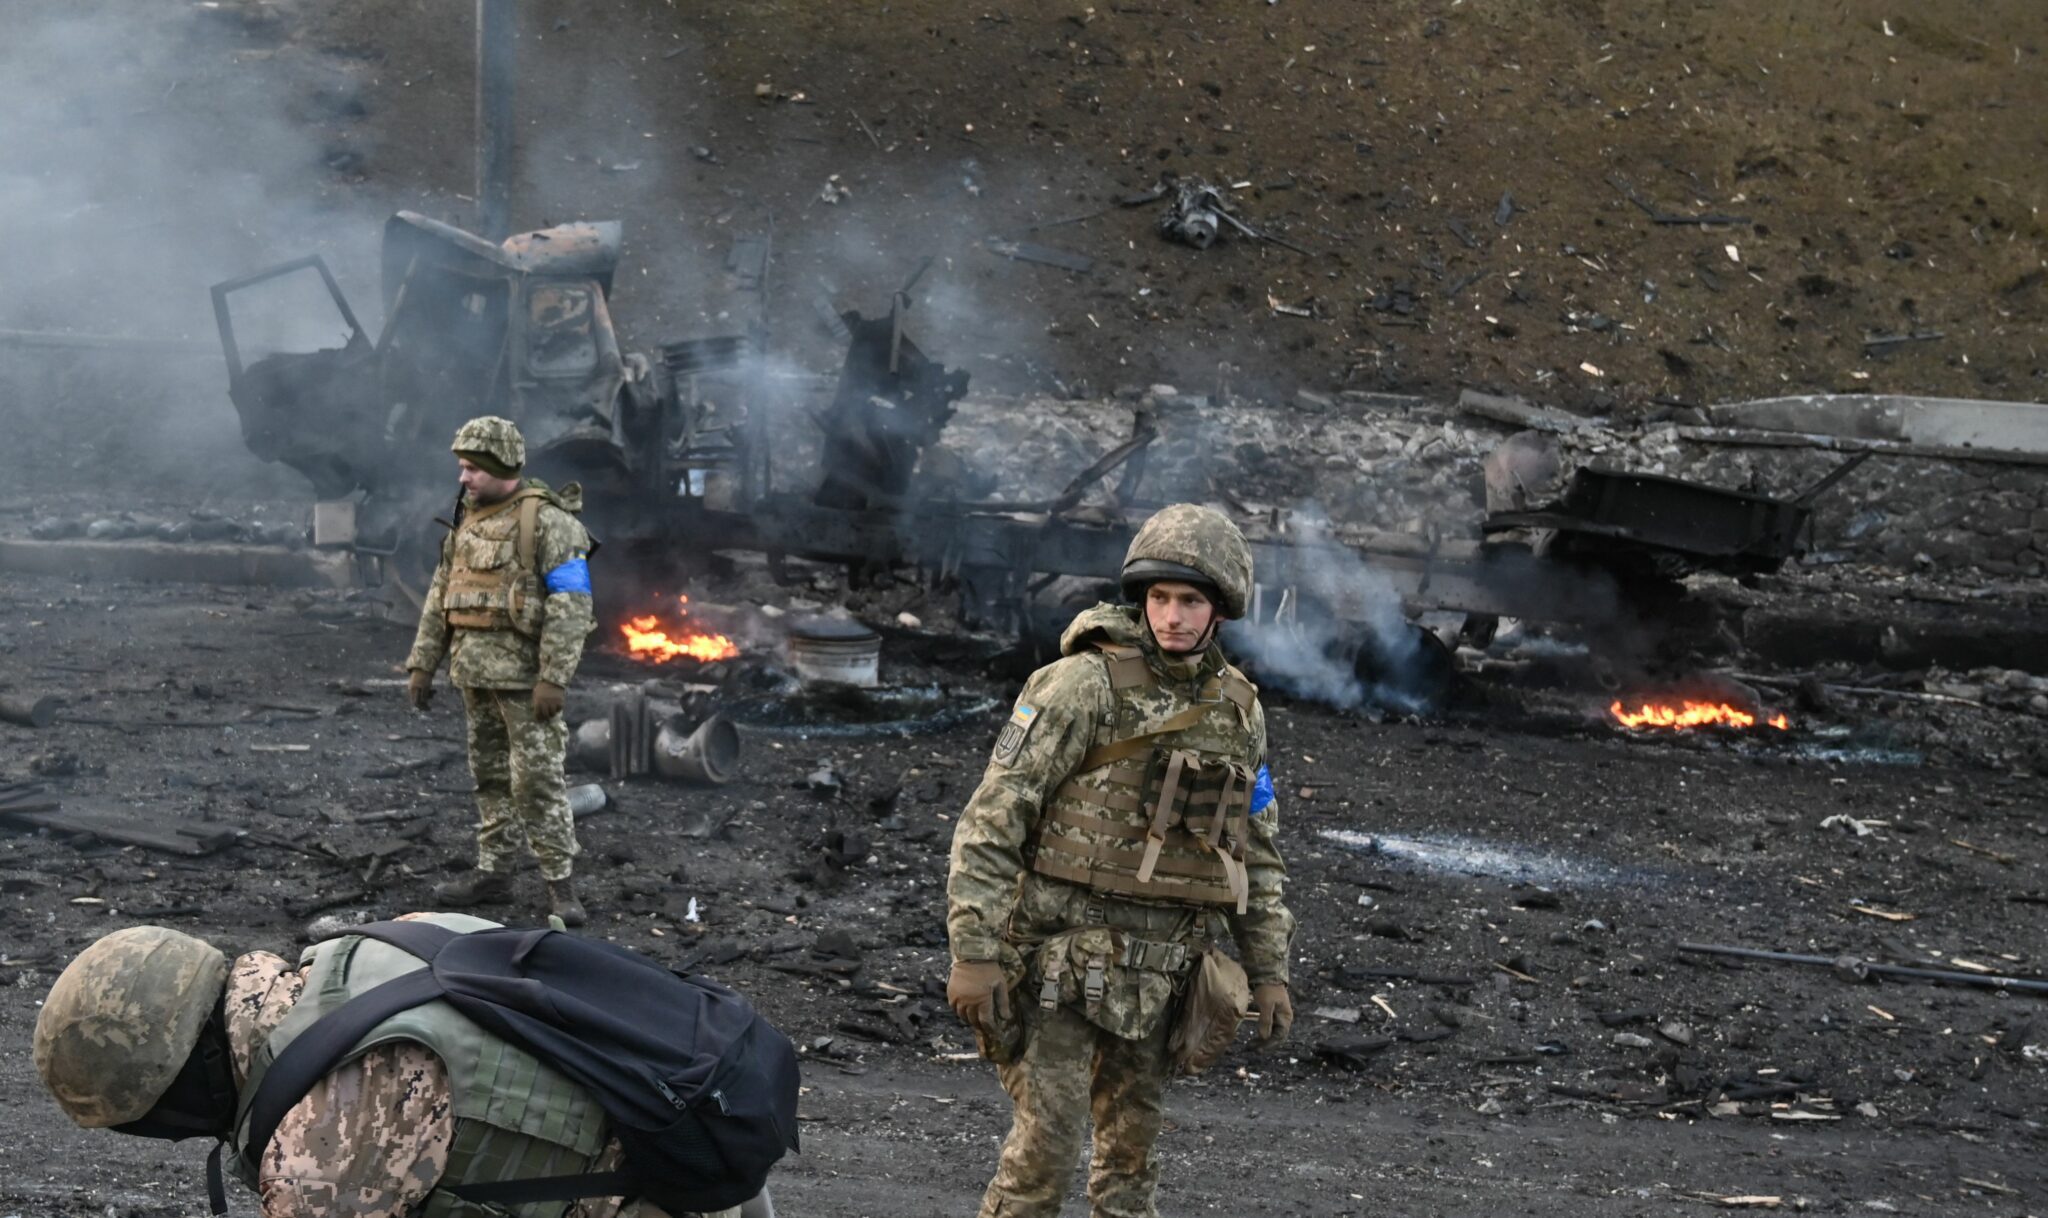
x=1010 y=741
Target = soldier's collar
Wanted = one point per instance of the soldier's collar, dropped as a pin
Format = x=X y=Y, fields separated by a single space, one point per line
x=1190 y=668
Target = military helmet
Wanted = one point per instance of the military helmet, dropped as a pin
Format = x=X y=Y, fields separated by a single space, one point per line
x=1192 y=544
x=122 y=1019
x=493 y=443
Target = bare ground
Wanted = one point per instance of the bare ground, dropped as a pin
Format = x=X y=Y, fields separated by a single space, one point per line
x=1536 y=870
x=1886 y=164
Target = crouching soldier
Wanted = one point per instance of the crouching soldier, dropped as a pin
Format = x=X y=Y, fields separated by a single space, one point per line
x=156 y=1033
x=1124 y=826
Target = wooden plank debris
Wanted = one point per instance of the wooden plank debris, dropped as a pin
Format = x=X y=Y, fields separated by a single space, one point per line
x=175 y=837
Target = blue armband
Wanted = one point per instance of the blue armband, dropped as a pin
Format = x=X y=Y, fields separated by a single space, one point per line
x=1262 y=791
x=571 y=576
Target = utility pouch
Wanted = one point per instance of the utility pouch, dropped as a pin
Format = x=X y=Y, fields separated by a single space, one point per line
x=1087 y=970
x=1217 y=998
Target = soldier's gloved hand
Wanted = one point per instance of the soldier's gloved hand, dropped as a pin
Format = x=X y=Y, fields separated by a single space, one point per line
x=978 y=992
x=419 y=688
x=547 y=700
x=1276 y=1011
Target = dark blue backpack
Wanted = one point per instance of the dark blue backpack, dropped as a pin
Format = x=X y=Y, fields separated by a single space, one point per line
x=699 y=1090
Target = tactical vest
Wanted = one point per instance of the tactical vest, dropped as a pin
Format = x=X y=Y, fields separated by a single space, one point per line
x=515 y=1117
x=492 y=584
x=1160 y=806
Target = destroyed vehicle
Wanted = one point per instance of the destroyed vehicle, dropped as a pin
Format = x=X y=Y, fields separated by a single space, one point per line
x=520 y=329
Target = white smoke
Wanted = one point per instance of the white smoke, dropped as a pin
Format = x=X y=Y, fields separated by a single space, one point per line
x=1339 y=635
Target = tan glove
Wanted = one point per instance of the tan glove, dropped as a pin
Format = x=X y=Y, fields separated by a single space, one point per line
x=547 y=700
x=1276 y=1011
x=419 y=688
x=978 y=992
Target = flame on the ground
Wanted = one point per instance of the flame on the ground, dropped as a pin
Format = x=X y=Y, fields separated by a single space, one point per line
x=647 y=637
x=1689 y=713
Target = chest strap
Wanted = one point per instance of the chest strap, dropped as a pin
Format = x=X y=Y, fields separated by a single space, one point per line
x=1132 y=746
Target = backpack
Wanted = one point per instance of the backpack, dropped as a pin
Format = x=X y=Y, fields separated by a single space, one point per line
x=699 y=1090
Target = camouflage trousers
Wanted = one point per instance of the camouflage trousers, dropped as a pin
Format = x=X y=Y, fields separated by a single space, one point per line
x=522 y=796
x=1071 y=1070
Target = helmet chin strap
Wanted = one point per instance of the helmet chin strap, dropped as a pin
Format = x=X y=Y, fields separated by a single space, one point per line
x=1201 y=644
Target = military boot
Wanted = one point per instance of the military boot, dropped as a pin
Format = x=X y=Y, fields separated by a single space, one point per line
x=562 y=902
x=479 y=887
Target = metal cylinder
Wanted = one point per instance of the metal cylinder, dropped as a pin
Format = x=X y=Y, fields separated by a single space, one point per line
x=590 y=745
x=495 y=78
x=27 y=710
x=706 y=754
x=835 y=651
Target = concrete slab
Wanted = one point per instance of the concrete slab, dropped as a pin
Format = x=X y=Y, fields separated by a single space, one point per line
x=169 y=562
x=2020 y=427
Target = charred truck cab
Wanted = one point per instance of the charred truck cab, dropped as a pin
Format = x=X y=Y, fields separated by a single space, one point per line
x=522 y=329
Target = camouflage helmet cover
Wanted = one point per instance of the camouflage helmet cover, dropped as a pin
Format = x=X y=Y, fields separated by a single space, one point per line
x=495 y=438
x=121 y=1020
x=1189 y=539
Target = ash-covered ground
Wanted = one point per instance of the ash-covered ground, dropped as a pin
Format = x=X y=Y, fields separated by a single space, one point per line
x=1490 y=898
x=1494 y=1012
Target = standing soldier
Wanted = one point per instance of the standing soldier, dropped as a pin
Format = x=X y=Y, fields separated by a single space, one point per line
x=1124 y=825
x=510 y=606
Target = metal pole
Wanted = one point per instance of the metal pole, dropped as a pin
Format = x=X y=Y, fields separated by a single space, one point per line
x=1860 y=968
x=494 y=85
x=27 y=710
x=107 y=342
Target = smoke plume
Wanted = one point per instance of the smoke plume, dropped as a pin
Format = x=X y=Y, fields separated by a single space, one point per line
x=1342 y=637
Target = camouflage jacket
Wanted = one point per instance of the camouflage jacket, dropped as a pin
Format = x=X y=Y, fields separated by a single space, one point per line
x=508 y=659
x=991 y=885
x=371 y=1139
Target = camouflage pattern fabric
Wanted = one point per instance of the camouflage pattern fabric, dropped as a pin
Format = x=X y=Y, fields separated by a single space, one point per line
x=1104 y=1053
x=494 y=437
x=1072 y=1070
x=369 y=1141
x=1075 y=709
x=507 y=659
x=515 y=760
x=121 y=1020
x=372 y=1138
x=522 y=794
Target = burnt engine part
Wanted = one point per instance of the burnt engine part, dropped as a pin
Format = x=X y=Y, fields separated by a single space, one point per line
x=1661 y=527
x=892 y=403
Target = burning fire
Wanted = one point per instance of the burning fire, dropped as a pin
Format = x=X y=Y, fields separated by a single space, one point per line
x=1690 y=714
x=647 y=638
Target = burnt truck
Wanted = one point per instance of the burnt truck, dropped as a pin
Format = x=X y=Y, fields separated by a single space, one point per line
x=524 y=329
x=521 y=329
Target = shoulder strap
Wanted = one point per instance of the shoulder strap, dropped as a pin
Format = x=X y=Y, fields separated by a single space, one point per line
x=422 y=939
x=320 y=1047
x=1131 y=746
x=1127 y=666
x=1238 y=689
x=529 y=518
x=308 y=1058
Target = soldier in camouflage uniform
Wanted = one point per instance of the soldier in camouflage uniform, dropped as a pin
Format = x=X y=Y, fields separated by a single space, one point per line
x=153 y=1032
x=509 y=606
x=1125 y=823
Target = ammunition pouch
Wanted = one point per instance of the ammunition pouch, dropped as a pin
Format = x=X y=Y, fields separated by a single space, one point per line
x=1120 y=984
x=1218 y=996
